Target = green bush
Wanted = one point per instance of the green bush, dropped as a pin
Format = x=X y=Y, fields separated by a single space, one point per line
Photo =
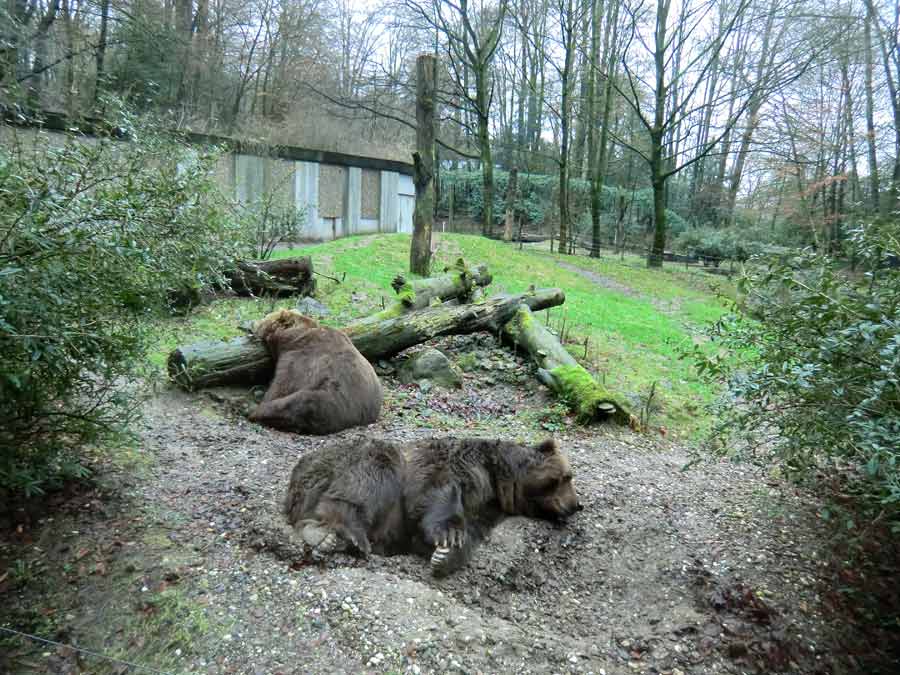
x=94 y=236
x=813 y=375
x=265 y=223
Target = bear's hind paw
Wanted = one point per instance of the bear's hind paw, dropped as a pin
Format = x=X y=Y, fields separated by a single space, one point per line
x=322 y=540
x=442 y=561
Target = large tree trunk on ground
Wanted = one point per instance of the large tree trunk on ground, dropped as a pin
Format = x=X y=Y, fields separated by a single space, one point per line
x=559 y=370
x=239 y=361
x=288 y=276
x=458 y=283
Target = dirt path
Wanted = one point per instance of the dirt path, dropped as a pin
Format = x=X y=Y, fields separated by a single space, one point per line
x=179 y=563
x=611 y=284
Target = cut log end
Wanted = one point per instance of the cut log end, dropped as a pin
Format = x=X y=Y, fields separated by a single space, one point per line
x=590 y=400
x=587 y=398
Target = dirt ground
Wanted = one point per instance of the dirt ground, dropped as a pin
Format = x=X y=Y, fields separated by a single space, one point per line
x=175 y=559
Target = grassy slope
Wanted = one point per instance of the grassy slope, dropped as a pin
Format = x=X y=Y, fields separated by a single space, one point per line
x=633 y=332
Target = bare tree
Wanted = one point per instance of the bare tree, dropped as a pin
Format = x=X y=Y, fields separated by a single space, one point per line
x=666 y=98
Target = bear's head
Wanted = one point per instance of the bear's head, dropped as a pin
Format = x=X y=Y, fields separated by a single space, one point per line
x=271 y=325
x=545 y=488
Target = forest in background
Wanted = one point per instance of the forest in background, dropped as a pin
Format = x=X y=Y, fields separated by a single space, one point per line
x=776 y=118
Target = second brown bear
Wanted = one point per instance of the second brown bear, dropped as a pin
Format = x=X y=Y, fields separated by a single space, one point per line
x=322 y=384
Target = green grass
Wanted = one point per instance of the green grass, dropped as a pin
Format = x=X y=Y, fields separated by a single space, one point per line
x=634 y=325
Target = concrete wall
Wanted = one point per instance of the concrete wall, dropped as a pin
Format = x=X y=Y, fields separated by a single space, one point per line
x=371 y=193
x=338 y=199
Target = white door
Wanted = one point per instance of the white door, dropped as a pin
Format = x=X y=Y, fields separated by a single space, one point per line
x=407 y=204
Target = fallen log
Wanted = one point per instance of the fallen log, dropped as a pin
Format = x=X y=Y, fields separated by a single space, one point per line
x=241 y=360
x=559 y=370
x=458 y=282
x=244 y=360
x=392 y=336
x=279 y=278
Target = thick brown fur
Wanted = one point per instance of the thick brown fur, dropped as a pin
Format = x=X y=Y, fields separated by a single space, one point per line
x=322 y=384
x=439 y=497
x=354 y=492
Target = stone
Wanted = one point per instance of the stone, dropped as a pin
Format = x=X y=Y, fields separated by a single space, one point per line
x=432 y=366
x=312 y=307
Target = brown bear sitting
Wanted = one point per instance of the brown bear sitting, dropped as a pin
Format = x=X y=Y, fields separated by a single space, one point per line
x=440 y=497
x=322 y=384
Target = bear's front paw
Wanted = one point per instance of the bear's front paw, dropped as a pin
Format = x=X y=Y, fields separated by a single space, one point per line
x=450 y=536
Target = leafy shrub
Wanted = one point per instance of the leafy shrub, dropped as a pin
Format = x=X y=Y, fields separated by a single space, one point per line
x=93 y=237
x=265 y=223
x=813 y=377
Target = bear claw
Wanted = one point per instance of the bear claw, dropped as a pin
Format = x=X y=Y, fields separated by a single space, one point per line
x=440 y=559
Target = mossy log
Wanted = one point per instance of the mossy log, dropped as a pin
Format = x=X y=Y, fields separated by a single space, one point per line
x=458 y=282
x=559 y=370
x=392 y=336
x=245 y=360
x=279 y=278
x=241 y=360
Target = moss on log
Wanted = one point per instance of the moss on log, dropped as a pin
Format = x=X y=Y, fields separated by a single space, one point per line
x=458 y=282
x=245 y=360
x=391 y=336
x=559 y=370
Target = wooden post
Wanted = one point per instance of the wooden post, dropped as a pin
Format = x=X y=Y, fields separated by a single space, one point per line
x=423 y=161
x=451 y=205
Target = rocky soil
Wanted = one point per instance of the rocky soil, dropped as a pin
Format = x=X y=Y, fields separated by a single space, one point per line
x=175 y=559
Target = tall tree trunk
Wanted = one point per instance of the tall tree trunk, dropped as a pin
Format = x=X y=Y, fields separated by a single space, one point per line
x=610 y=67
x=484 y=144
x=580 y=165
x=753 y=109
x=849 y=131
x=41 y=53
x=655 y=258
x=568 y=27
x=511 y=194
x=874 y=188
x=101 y=51
x=423 y=159
x=657 y=162
x=71 y=105
x=591 y=122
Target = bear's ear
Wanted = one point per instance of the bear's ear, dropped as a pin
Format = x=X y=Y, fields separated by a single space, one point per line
x=548 y=447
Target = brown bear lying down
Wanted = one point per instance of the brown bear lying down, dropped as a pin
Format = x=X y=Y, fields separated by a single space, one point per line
x=322 y=384
x=439 y=497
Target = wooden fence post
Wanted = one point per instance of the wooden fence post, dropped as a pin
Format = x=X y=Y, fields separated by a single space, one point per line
x=423 y=161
